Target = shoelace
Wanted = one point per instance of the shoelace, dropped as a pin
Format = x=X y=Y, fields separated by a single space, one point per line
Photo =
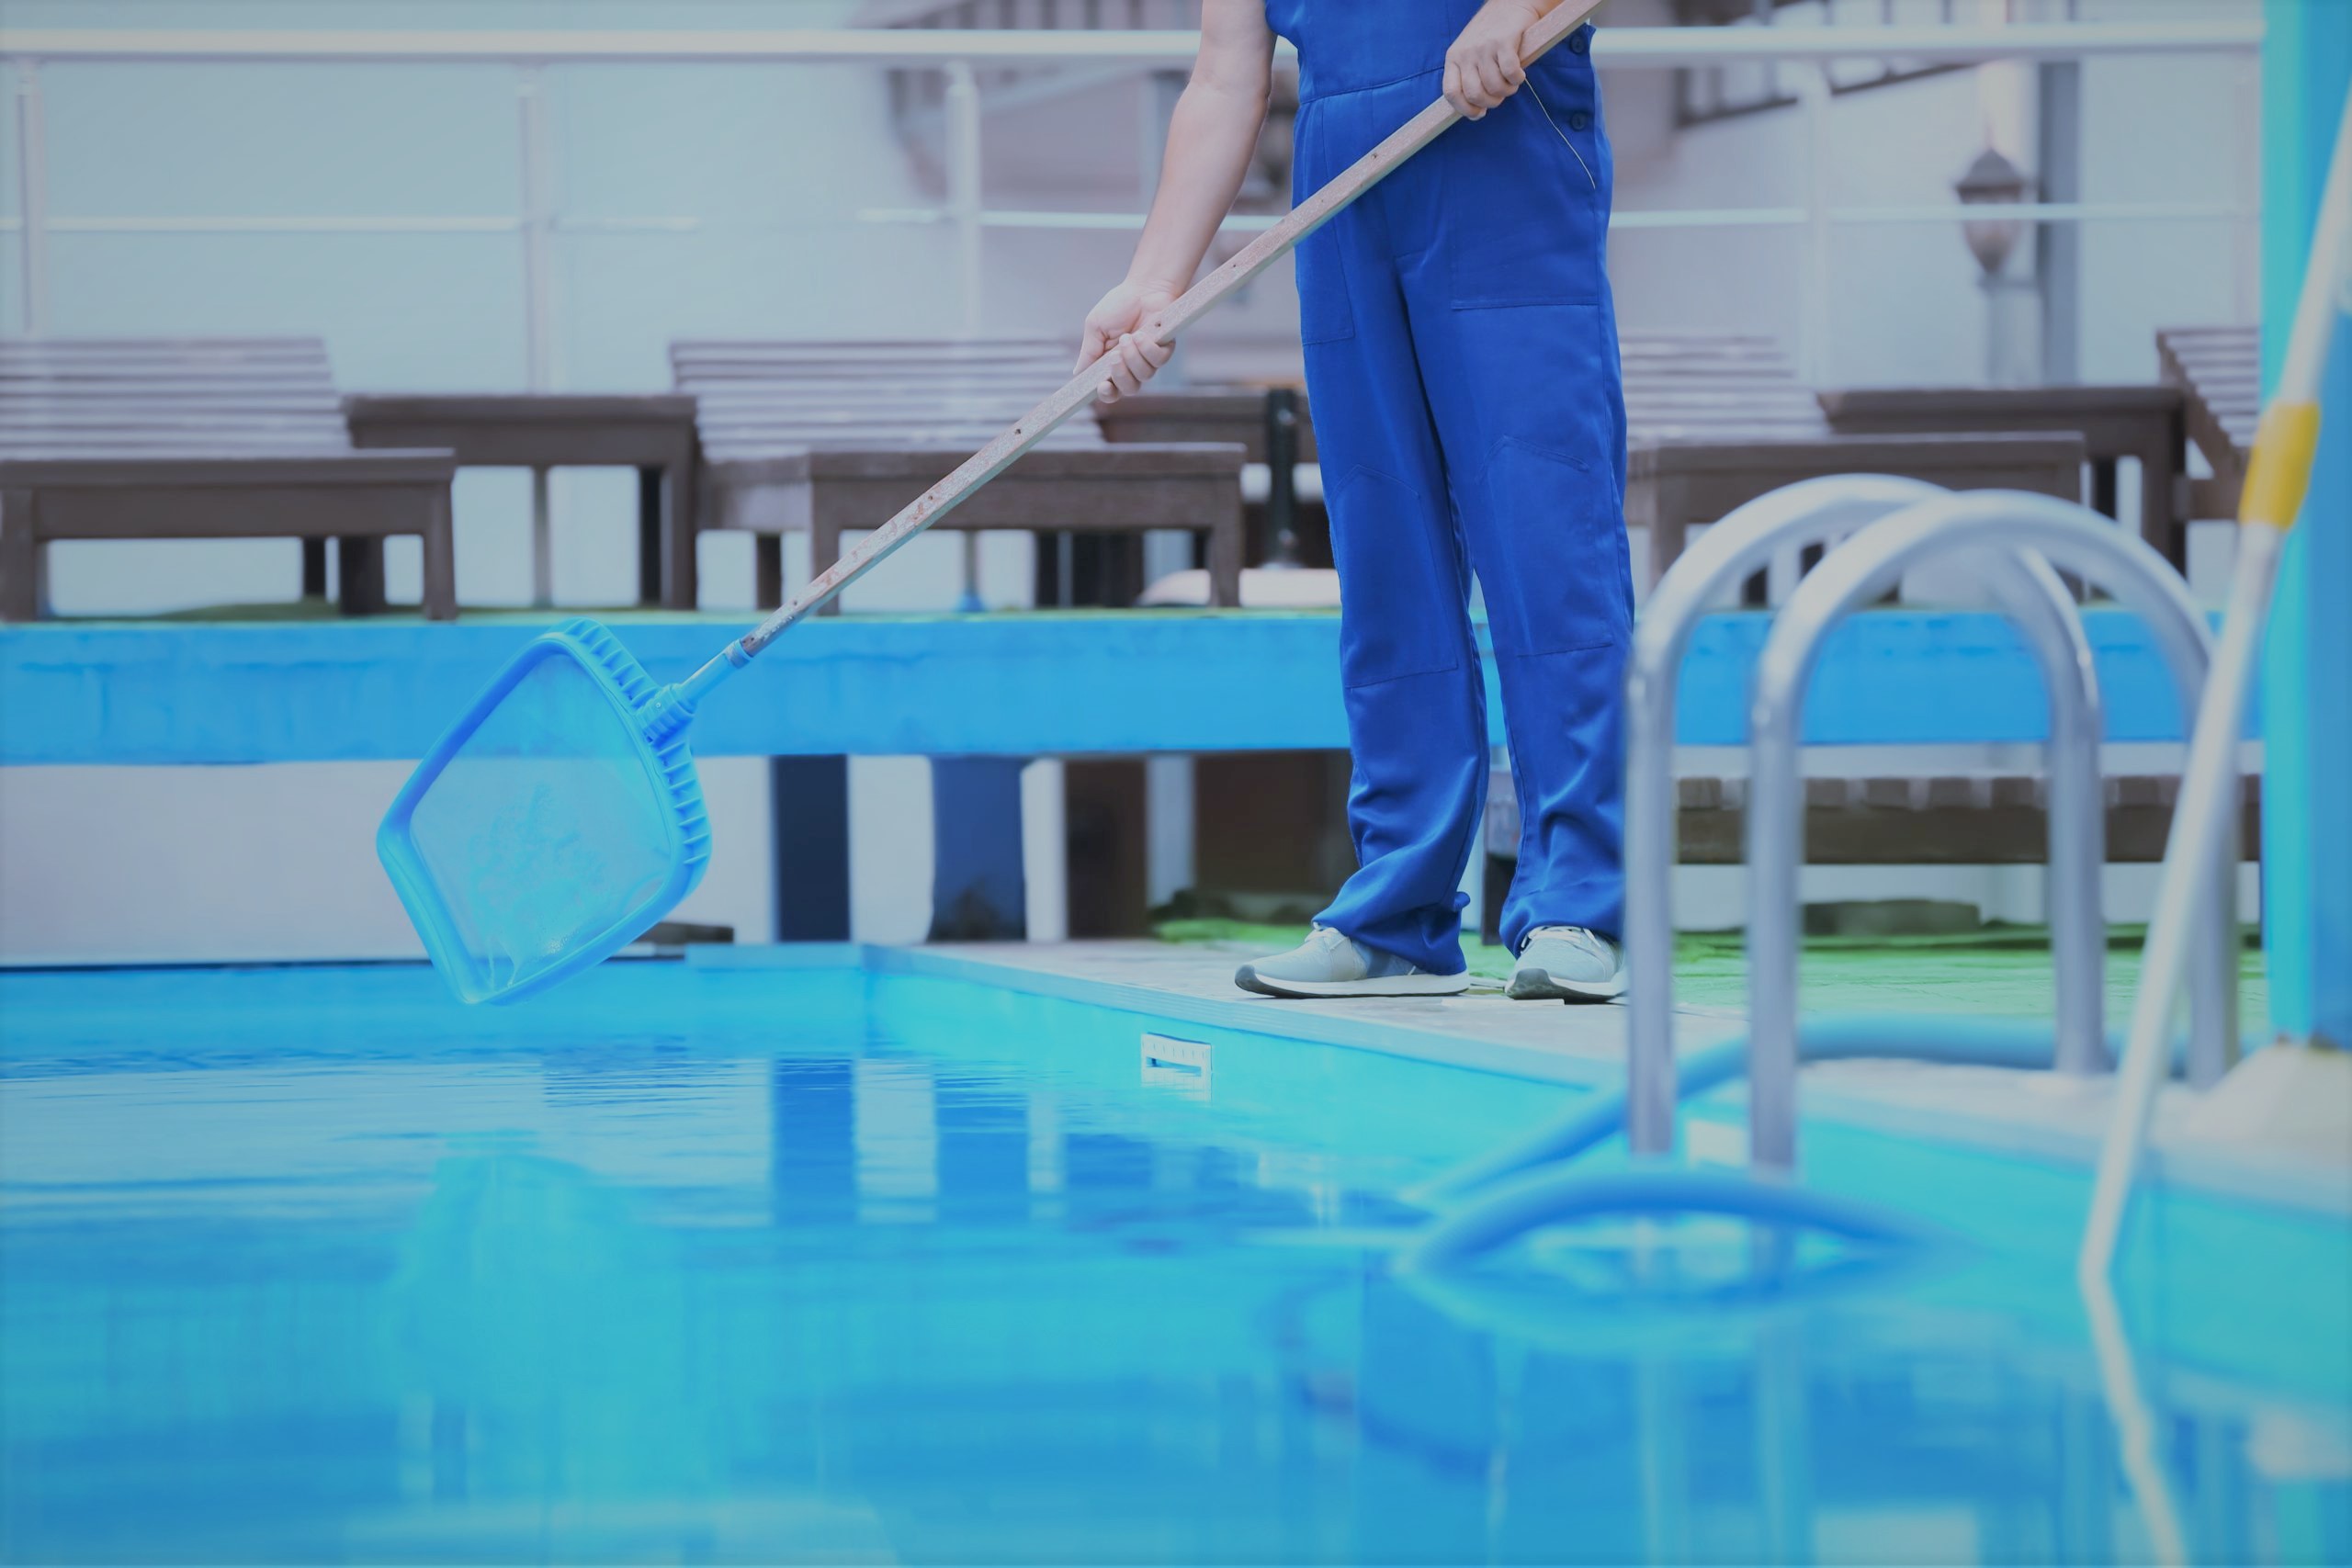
x=1574 y=936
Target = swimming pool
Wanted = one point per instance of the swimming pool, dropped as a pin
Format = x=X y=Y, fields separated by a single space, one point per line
x=818 y=1262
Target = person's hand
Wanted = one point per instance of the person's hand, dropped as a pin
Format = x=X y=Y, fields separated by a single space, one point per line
x=1116 y=322
x=1482 y=67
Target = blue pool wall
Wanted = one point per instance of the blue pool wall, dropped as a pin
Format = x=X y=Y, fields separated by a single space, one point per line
x=1027 y=686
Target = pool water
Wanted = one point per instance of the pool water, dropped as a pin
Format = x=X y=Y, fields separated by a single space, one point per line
x=827 y=1265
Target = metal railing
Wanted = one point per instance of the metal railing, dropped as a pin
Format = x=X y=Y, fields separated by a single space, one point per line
x=959 y=54
x=1896 y=524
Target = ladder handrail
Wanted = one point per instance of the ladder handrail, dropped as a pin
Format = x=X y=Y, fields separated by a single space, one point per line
x=2071 y=537
x=1818 y=511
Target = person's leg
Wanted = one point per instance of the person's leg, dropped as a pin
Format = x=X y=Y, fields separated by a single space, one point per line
x=1513 y=329
x=1547 y=535
x=1414 y=692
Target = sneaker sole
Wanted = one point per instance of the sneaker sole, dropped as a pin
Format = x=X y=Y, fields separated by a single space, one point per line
x=1249 y=979
x=1537 y=986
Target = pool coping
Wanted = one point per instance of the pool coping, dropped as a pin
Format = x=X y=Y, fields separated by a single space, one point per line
x=2012 y=1113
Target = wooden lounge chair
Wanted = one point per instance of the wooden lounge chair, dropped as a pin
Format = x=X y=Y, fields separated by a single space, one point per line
x=2219 y=372
x=650 y=432
x=202 y=438
x=828 y=437
x=1716 y=421
x=1207 y=414
x=2138 y=421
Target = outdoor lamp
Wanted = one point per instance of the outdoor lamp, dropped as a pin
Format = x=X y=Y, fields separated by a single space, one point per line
x=1992 y=180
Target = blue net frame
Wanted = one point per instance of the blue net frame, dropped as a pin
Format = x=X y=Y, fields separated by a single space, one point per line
x=548 y=827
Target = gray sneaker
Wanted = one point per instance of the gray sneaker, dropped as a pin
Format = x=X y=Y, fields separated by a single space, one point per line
x=1329 y=964
x=1569 y=963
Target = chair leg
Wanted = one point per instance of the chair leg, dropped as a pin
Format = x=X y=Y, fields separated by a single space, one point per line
x=440 y=594
x=767 y=569
x=360 y=566
x=650 y=542
x=2160 y=523
x=1224 y=563
x=681 y=575
x=1666 y=544
x=2106 y=491
x=19 y=557
x=314 y=568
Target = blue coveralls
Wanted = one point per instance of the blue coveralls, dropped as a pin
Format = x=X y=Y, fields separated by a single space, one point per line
x=1462 y=365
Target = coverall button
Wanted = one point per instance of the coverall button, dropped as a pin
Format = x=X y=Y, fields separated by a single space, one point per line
x=1580 y=41
x=1579 y=120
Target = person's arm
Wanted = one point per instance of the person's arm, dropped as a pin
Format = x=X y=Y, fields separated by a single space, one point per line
x=1484 y=67
x=1211 y=138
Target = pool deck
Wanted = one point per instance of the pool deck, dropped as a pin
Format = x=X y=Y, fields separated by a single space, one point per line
x=2279 y=1130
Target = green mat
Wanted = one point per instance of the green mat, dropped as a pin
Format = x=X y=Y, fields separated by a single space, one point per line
x=1998 y=971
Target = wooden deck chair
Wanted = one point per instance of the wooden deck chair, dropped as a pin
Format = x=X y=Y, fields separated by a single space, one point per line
x=202 y=438
x=828 y=438
x=2219 y=372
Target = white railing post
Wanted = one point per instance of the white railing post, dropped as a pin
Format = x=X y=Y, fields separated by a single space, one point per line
x=530 y=96
x=2246 y=253
x=539 y=355
x=1813 y=324
x=32 y=196
x=963 y=127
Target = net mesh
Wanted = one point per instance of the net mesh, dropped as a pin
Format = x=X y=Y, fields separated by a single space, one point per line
x=548 y=830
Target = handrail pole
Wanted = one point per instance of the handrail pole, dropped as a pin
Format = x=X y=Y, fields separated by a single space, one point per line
x=2075 y=827
x=2038 y=603
x=1811 y=512
x=2072 y=538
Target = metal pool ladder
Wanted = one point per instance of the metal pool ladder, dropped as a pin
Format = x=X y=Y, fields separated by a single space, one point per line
x=1890 y=525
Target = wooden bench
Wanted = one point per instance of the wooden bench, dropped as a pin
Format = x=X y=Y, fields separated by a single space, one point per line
x=1716 y=421
x=1946 y=819
x=652 y=432
x=203 y=438
x=1208 y=413
x=831 y=437
x=2143 y=422
x=2219 y=373
x=1942 y=820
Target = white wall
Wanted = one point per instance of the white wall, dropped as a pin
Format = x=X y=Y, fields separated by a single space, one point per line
x=133 y=864
x=1906 y=306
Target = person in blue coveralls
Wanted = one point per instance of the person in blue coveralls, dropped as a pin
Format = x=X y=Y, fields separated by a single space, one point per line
x=1462 y=364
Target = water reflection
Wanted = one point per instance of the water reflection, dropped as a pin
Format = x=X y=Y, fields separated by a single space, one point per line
x=847 y=1299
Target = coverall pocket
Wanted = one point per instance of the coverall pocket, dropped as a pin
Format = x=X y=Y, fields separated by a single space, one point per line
x=1400 y=599
x=1559 y=579
x=1324 y=315
x=1530 y=221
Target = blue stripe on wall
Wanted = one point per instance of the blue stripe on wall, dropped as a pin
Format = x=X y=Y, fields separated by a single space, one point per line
x=1036 y=684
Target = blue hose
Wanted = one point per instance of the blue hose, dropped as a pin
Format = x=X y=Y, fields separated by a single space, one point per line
x=1548 y=1196
x=1912 y=1037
